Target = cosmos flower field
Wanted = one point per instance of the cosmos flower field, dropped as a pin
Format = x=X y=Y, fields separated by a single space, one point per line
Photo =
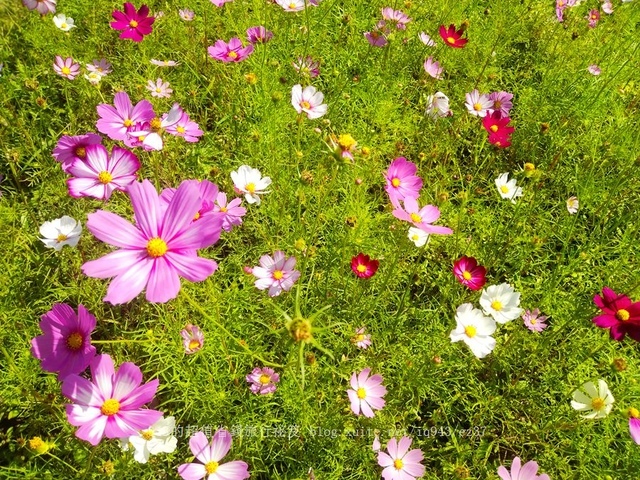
x=314 y=239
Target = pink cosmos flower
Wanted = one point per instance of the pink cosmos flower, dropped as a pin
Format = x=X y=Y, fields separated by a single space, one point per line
x=534 y=321
x=276 y=274
x=230 y=52
x=232 y=211
x=100 y=174
x=208 y=193
x=364 y=266
x=42 y=6
x=361 y=339
x=111 y=404
x=421 y=218
x=395 y=17
x=402 y=181
x=135 y=25
x=210 y=456
x=308 y=101
x=427 y=40
x=452 y=37
x=527 y=472
x=634 y=424
x=66 y=67
x=307 y=66
x=375 y=446
x=593 y=17
x=478 y=105
x=292 y=5
x=561 y=5
x=258 y=35
x=163 y=63
x=219 y=3
x=185 y=128
x=101 y=67
x=192 y=338
x=433 y=68
x=401 y=463
x=263 y=380
x=159 y=88
x=607 y=7
x=70 y=149
x=116 y=122
x=65 y=346
x=594 y=69
x=619 y=314
x=469 y=273
x=376 y=38
x=366 y=393
x=501 y=102
x=149 y=134
x=158 y=250
x=186 y=14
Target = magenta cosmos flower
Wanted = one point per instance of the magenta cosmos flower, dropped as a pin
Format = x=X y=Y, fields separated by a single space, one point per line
x=135 y=24
x=100 y=173
x=276 y=274
x=70 y=149
x=308 y=101
x=117 y=121
x=232 y=211
x=230 y=52
x=619 y=314
x=401 y=463
x=528 y=471
x=421 y=218
x=452 y=37
x=184 y=127
x=364 y=266
x=258 y=35
x=65 y=346
x=366 y=393
x=111 y=404
x=158 y=250
x=469 y=273
x=66 y=67
x=402 y=181
x=634 y=424
x=210 y=455
x=42 y=6
x=192 y=339
x=376 y=38
x=263 y=380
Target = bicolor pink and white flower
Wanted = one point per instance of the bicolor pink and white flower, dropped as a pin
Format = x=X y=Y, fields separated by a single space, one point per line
x=263 y=380
x=186 y=14
x=394 y=17
x=277 y=273
x=66 y=67
x=366 y=393
x=116 y=121
x=209 y=455
x=308 y=101
x=594 y=69
x=72 y=148
x=250 y=182
x=400 y=463
x=634 y=424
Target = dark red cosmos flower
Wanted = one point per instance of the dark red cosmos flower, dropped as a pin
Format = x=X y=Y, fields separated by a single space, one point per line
x=363 y=266
x=619 y=314
x=135 y=24
x=469 y=273
x=453 y=37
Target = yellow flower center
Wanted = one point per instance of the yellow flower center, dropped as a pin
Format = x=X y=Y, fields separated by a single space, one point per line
x=110 y=407
x=223 y=209
x=395 y=182
x=622 y=315
x=346 y=142
x=127 y=122
x=529 y=167
x=497 y=104
x=180 y=129
x=359 y=337
x=196 y=216
x=597 y=403
x=633 y=412
x=63 y=25
x=66 y=70
x=155 y=124
x=415 y=237
x=105 y=177
x=61 y=237
x=477 y=107
x=305 y=105
x=470 y=331
x=278 y=274
x=397 y=464
x=211 y=467
x=147 y=434
x=361 y=393
x=250 y=187
x=264 y=379
x=292 y=6
x=80 y=152
x=193 y=344
x=451 y=40
x=361 y=268
x=466 y=275
x=533 y=321
x=594 y=16
x=158 y=90
x=156 y=247
x=35 y=443
x=493 y=128
x=232 y=55
x=74 y=341
x=416 y=218
x=496 y=305
x=133 y=24
x=504 y=189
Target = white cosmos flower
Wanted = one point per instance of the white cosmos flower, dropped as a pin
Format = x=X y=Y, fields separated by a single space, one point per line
x=418 y=236
x=572 y=205
x=507 y=188
x=474 y=329
x=597 y=402
x=60 y=232
x=93 y=77
x=250 y=181
x=158 y=438
x=501 y=302
x=291 y=5
x=63 y=22
x=308 y=101
x=438 y=105
x=152 y=138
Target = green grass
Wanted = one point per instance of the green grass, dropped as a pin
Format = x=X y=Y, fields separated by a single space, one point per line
x=517 y=399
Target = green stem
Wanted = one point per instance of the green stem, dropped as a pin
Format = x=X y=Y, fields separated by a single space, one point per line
x=120 y=341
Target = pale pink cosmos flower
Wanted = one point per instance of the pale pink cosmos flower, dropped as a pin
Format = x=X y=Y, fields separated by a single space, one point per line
x=307 y=66
x=366 y=393
x=219 y=3
x=209 y=455
x=159 y=88
x=593 y=17
x=185 y=128
x=376 y=38
x=116 y=121
x=478 y=105
x=394 y=17
x=438 y=106
x=230 y=52
x=401 y=181
x=276 y=273
x=607 y=7
x=66 y=67
x=308 y=101
x=375 y=446
x=101 y=67
x=164 y=63
x=433 y=68
x=192 y=338
x=502 y=102
x=427 y=40
x=149 y=134
x=186 y=14
x=401 y=463
x=263 y=380
x=42 y=6
x=232 y=211
x=421 y=218
x=594 y=69
x=258 y=35
x=361 y=339
x=292 y=5
x=528 y=471
x=561 y=5
x=159 y=249
x=111 y=404
x=534 y=321
x=72 y=148
x=100 y=173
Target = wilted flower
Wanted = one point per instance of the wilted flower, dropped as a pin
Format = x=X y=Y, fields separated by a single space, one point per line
x=60 y=232
x=192 y=338
x=307 y=66
x=263 y=380
x=597 y=402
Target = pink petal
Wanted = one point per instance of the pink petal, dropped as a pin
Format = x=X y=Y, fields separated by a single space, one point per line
x=236 y=470
x=183 y=207
x=146 y=207
x=114 y=230
x=191 y=267
x=121 y=101
x=164 y=282
x=93 y=431
x=79 y=415
x=199 y=445
x=127 y=379
x=403 y=446
x=82 y=391
x=113 y=264
x=102 y=373
x=220 y=445
x=140 y=419
x=192 y=471
x=126 y=286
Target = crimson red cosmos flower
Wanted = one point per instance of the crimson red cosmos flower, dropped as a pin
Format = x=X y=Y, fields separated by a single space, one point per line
x=135 y=24
x=363 y=266
x=496 y=123
x=453 y=37
x=469 y=273
x=619 y=314
x=500 y=140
